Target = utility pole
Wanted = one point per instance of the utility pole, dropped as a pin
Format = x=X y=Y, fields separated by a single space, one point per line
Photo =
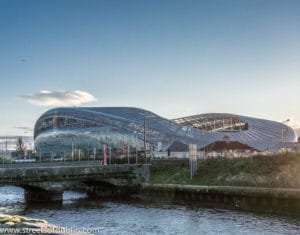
x=94 y=152
x=282 y=134
x=105 y=154
x=193 y=159
x=72 y=154
x=282 y=139
x=5 y=146
x=145 y=143
x=123 y=147
x=136 y=151
x=128 y=154
x=75 y=149
x=136 y=156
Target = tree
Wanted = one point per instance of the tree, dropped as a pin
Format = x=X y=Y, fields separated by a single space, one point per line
x=20 y=146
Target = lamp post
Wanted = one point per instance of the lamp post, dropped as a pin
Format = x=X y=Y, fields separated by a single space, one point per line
x=5 y=148
x=282 y=137
x=72 y=154
x=128 y=154
x=2 y=152
x=282 y=129
x=145 y=143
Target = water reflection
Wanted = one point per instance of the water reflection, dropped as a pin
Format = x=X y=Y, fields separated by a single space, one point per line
x=132 y=216
x=70 y=196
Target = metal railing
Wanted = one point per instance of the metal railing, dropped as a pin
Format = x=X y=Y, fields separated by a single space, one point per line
x=52 y=164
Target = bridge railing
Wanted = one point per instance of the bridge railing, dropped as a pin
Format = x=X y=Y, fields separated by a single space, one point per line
x=69 y=162
x=51 y=164
x=75 y=158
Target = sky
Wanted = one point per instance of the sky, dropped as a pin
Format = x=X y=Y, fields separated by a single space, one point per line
x=175 y=58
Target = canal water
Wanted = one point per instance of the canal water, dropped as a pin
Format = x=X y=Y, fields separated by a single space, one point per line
x=134 y=216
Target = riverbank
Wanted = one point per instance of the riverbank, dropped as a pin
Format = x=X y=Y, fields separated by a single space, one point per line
x=274 y=171
x=254 y=183
x=255 y=199
x=10 y=224
x=257 y=192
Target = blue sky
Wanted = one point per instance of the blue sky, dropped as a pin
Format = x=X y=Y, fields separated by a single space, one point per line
x=175 y=58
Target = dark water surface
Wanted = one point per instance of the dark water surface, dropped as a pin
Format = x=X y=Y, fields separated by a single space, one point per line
x=133 y=216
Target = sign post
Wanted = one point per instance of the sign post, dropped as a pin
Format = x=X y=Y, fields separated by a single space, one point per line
x=193 y=159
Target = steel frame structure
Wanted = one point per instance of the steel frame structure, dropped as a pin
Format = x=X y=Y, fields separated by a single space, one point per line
x=62 y=129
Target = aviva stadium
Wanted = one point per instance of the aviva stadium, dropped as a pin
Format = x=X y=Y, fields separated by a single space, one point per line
x=88 y=129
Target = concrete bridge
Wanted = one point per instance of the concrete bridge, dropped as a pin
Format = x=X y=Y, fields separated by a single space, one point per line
x=47 y=181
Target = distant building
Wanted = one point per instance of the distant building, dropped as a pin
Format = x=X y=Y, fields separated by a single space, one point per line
x=227 y=148
x=178 y=150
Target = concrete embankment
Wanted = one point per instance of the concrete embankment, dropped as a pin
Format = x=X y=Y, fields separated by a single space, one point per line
x=278 y=193
x=237 y=196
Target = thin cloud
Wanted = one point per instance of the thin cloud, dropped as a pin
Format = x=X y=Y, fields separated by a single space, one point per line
x=60 y=98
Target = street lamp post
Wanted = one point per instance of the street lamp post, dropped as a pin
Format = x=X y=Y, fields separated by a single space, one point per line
x=145 y=143
x=282 y=135
x=5 y=147
x=94 y=153
x=128 y=154
x=72 y=154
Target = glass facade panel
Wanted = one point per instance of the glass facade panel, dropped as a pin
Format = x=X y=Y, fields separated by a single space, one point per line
x=88 y=129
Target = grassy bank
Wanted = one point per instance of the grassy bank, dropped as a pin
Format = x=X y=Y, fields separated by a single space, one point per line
x=258 y=171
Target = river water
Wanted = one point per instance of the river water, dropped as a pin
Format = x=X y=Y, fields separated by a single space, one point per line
x=133 y=216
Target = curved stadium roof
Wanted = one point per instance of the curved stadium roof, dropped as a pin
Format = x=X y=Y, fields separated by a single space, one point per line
x=200 y=129
x=258 y=133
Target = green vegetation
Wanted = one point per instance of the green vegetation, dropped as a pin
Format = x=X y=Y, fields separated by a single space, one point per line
x=258 y=171
x=20 y=145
